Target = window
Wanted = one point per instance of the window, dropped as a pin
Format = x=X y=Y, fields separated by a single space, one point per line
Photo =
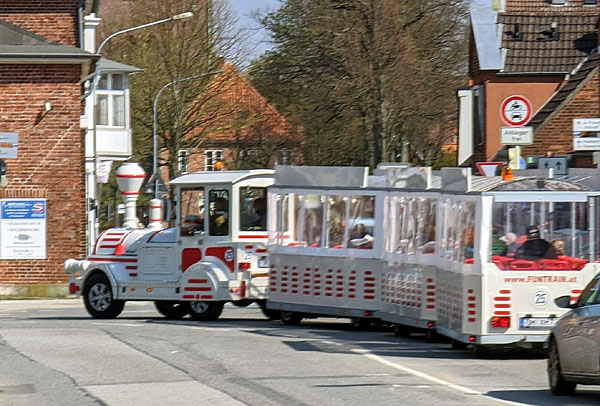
x=212 y=157
x=111 y=100
x=285 y=157
x=192 y=211
x=253 y=209
x=589 y=2
x=219 y=212
x=183 y=156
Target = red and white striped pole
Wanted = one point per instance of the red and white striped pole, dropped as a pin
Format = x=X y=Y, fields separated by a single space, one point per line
x=130 y=177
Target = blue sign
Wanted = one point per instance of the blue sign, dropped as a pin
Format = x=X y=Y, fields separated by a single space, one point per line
x=23 y=209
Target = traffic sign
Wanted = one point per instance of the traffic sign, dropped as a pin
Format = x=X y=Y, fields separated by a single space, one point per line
x=516 y=135
x=516 y=110
x=559 y=165
x=488 y=168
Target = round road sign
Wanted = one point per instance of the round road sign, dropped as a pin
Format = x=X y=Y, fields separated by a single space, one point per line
x=515 y=111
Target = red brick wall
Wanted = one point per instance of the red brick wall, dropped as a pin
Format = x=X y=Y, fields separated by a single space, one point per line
x=55 y=20
x=557 y=135
x=49 y=164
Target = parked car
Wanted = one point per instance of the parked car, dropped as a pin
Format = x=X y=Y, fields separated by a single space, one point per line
x=574 y=343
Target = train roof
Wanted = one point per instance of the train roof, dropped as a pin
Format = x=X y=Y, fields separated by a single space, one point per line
x=220 y=177
x=530 y=184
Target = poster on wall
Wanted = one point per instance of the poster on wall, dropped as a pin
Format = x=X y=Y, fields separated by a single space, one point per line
x=22 y=228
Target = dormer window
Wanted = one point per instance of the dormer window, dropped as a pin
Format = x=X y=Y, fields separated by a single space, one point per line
x=589 y=2
x=111 y=100
x=558 y=2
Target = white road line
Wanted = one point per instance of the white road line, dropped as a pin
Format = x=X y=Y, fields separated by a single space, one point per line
x=118 y=324
x=431 y=378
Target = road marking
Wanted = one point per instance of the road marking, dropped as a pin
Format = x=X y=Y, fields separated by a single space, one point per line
x=118 y=324
x=431 y=378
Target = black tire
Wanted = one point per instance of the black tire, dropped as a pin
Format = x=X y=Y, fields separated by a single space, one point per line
x=359 y=323
x=271 y=314
x=172 y=309
x=400 y=330
x=457 y=345
x=481 y=351
x=205 y=311
x=98 y=298
x=558 y=385
x=291 y=318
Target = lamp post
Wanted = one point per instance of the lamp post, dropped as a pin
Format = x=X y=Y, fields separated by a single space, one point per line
x=154 y=126
x=92 y=180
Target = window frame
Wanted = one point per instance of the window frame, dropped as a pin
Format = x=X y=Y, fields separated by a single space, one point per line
x=111 y=94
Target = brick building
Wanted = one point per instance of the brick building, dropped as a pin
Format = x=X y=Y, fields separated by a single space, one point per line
x=41 y=66
x=542 y=51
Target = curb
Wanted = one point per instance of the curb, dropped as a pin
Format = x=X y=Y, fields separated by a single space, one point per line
x=34 y=291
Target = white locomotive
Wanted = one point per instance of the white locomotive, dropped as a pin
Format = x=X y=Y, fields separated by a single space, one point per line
x=216 y=254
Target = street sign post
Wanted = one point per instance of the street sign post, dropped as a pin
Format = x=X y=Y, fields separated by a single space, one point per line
x=559 y=165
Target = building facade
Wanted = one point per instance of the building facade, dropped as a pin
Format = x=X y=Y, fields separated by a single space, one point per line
x=539 y=53
x=43 y=215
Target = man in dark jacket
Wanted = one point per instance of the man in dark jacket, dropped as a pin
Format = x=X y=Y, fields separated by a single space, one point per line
x=535 y=247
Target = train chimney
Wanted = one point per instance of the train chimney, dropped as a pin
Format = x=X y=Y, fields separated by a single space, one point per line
x=130 y=177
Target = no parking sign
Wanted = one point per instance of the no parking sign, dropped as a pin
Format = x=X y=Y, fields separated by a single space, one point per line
x=516 y=111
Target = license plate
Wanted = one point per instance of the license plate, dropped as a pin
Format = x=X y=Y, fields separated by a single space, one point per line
x=263 y=262
x=539 y=322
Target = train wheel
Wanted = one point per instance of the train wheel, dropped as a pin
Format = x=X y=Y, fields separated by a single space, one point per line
x=171 y=309
x=98 y=298
x=457 y=345
x=271 y=314
x=401 y=330
x=206 y=311
x=359 y=323
x=558 y=385
x=291 y=318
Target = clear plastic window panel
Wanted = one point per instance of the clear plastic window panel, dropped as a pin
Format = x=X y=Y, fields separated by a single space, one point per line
x=426 y=225
x=400 y=207
x=253 y=209
x=563 y=225
x=313 y=220
x=361 y=222
x=467 y=233
x=336 y=221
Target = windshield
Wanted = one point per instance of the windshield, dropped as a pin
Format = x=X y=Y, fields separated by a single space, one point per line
x=253 y=209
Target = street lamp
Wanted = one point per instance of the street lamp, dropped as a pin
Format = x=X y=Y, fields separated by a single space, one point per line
x=155 y=145
x=92 y=180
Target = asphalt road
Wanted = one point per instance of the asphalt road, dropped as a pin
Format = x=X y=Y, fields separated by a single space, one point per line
x=53 y=353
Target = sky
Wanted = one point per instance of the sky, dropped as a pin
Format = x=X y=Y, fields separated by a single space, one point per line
x=242 y=10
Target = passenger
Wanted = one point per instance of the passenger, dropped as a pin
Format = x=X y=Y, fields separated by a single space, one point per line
x=559 y=246
x=498 y=244
x=359 y=238
x=258 y=219
x=218 y=219
x=510 y=244
x=535 y=247
x=336 y=231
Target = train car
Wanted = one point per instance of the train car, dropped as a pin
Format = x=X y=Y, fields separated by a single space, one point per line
x=215 y=254
x=325 y=243
x=499 y=258
x=428 y=254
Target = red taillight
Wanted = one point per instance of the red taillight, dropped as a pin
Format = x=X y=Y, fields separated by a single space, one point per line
x=368 y=313
x=73 y=288
x=244 y=266
x=243 y=289
x=120 y=250
x=501 y=322
x=472 y=339
x=431 y=324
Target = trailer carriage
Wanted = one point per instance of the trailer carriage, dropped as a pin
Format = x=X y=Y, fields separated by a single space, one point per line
x=426 y=257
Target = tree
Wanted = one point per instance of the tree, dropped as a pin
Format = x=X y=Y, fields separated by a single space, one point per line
x=371 y=80
x=190 y=109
